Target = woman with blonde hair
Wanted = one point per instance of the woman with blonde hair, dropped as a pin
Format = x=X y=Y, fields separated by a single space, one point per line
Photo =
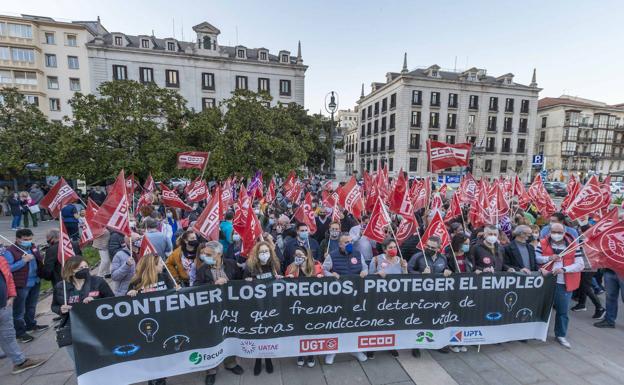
x=150 y=275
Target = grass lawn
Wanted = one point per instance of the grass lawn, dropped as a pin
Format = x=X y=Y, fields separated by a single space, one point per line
x=91 y=255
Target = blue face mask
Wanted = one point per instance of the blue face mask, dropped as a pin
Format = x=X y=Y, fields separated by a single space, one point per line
x=303 y=235
x=349 y=248
x=236 y=237
x=465 y=248
x=207 y=260
x=271 y=221
x=26 y=243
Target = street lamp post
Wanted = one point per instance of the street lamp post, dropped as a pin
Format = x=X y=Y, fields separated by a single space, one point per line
x=331 y=107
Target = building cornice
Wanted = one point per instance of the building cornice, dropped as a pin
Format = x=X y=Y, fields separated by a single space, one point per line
x=571 y=106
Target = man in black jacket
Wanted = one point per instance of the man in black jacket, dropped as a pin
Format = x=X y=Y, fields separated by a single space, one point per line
x=487 y=254
x=519 y=254
x=51 y=265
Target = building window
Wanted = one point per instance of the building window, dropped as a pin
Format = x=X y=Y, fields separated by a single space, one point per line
x=376 y=108
x=363 y=113
x=5 y=53
x=383 y=124
x=362 y=148
x=434 y=120
x=146 y=75
x=72 y=62
x=285 y=58
x=363 y=131
x=450 y=139
x=544 y=121
x=523 y=125
x=55 y=104
x=376 y=126
x=264 y=85
x=23 y=54
x=391 y=142
x=71 y=40
x=369 y=112
x=509 y=105
x=503 y=166
x=34 y=100
x=20 y=30
x=171 y=46
x=493 y=104
x=521 y=145
x=488 y=165
x=433 y=137
x=414 y=141
x=413 y=164
x=375 y=145
x=49 y=38
x=506 y=145
x=390 y=164
x=50 y=60
x=284 y=87
x=507 y=124
x=120 y=72
x=542 y=138
x=383 y=143
x=471 y=121
x=5 y=77
x=145 y=43
x=208 y=103
x=241 y=82
x=524 y=106
x=263 y=55
x=118 y=40
x=392 y=122
x=473 y=102
x=416 y=98
x=53 y=83
x=208 y=81
x=451 y=121
x=392 y=101
x=492 y=123
x=518 y=166
x=74 y=84
x=490 y=144
x=171 y=78
x=384 y=105
x=435 y=99
x=368 y=146
x=368 y=129
x=240 y=53
x=452 y=102
x=416 y=118
x=206 y=42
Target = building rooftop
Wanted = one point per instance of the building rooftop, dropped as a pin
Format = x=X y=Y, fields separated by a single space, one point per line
x=566 y=100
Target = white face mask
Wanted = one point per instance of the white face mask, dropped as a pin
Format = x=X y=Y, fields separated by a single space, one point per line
x=491 y=239
x=299 y=260
x=264 y=257
x=556 y=237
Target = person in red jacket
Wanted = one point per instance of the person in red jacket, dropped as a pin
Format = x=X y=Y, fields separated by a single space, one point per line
x=8 y=342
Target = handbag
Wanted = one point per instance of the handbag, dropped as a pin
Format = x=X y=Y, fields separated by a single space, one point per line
x=34 y=209
x=63 y=331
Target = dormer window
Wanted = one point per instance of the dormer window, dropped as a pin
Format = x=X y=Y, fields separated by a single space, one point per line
x=118 y=40
x=206 y=42
x=284 y=58
x=145 y=43
x=508 y=81
x=240 y=53
x=263 y=55
x=171 y=46
x=472 y=77
x=434 y=73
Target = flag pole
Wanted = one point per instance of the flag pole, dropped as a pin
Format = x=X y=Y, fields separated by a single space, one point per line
x=455 y=258
x=63 y=258
x=19 y=248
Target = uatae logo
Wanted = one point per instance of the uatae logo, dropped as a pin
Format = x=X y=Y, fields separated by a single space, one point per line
x=467 y=336
x=248 y=347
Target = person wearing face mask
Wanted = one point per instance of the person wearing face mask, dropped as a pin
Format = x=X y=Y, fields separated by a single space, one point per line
x=360 y=242
x=330 y=243
x=460 y=244
x=26 y=263
x=430 y=260
x=519 y=254
x=535 y=229
x=323 y=220
x=303 y=239
x=567 y=268
x=487 y=254
x=226 y=228
x=79 y=286
x=16 y=211
x=52 y=268
x=182 y=261
x=234 y=250
x=558 y=218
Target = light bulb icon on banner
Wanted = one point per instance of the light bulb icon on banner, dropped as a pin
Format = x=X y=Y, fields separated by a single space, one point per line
x=148 y=327
x=510 y=300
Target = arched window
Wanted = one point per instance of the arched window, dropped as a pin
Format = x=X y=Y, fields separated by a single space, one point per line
x=206 y=42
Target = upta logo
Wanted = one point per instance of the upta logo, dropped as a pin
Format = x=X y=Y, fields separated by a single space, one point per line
x=474 y=335
x=196 y=357
x=376 y=341
x=318 y=345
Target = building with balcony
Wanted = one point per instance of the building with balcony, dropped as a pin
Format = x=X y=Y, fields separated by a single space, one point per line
x=346 y=128
x=496 y=114
x=44 y=59
x=580 y=136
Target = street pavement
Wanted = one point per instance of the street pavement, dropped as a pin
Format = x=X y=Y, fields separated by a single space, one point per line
x=596 y=357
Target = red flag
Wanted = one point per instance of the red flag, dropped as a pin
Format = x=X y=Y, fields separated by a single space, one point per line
x=86 y=234
x=378 y=221
x=208 y=222
x=65 y=247
x=270 y=195
x=538 y=194
x=606 y=248
x=252 y=231
x=421 y=193
x=454 y=209
x=382 y=183
x=145 y=200
x=436 y=227
x=328 y=186
x=444 y=155
x=436 y=202
x=196 y=191
x=336 y=217
x=226 y=195
x=304 y=214
x=469 y=189
x=169 y=198
x=58 y=197
x=521 y=193
x=294 y=193
x=368 y=182
x=477 y=215
x=289 y=183
x=193 y=159
x=400 y=202
x=497 y=205
x=114 y=211
x=605 y=189
x=589 y=200
x=350 y=197
x=240 y=216
x=604 y=223
x=146 y=248
x=406 y=229
x=149 y=185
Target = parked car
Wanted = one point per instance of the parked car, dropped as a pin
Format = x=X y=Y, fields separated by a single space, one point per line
x=557 y=189
x=617 y=187
x=175 y=182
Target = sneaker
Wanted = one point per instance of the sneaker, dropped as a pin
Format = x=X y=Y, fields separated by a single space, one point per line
x=300 y=362
x=268 y=365
x=370 y=355
x=360 y=356
x=39 y=328
x=25 y=338
x=310 y=362
x=238 y=370
x=210 y=379
x=13 y=229
x=416 y=353
x=599 y=291
x=463 y=349
x=600 y=312
x=28 y=363
x=604 y=324
x=579 y=307
x=329 y=359
x=455 y=349
x=563 y=342
x=395 y=353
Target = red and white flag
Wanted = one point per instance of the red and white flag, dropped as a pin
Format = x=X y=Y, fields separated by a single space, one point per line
x=193 y=159
x=400 y=202
x=444 y=155
x=251 y=232
x=146 y=248
x=65 y=247
x=350 y=197
x=436 y=202
x=294 y=193
x=328 y=186
x=149 y=185
x=270 y=194
x=379 y=220
x=540 y=197
x=289 y=183
x=437 y=227
x=443 y=190
x=226 y=195
x=196 y=191
x=240 y=215
x=58 y=197
x=169 y=198
x=304 y=214
x=469 y=189
x=521 y=193
x=406 y=229
x=573 y=189
x=421 y=193
x=454 y=209
x=114 y=211
x=131 y=185
x=605 y=249
x=208 y=222
x=589 y=200
x=86 y=233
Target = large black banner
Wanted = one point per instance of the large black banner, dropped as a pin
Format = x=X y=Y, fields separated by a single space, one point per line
x=125 y=340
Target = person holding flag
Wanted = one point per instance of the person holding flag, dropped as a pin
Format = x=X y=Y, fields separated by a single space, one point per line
x=330 y=243
x=430 y=260
x=161 y=243
x=52 y=268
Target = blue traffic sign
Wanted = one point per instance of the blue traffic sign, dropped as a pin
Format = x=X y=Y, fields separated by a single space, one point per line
x=538 y=160
x=449 y=178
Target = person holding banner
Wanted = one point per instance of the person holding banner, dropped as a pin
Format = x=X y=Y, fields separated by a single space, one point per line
x=429 y=260
x=487 y=254
x=460 y=245
x=78 y=286
x=182 y=261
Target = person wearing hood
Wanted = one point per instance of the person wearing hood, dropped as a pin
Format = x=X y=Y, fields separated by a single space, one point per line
x=123 y=267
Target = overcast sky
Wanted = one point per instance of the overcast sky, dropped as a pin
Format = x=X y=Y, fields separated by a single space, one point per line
x=576 y=46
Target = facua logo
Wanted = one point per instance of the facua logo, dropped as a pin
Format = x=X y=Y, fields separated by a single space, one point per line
x=318 y=345
x=466 y=336
x=196 y=357
x=376 y=341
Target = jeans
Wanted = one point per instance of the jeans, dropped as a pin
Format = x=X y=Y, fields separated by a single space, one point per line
x=614 y=285
x=31 y=215
x=8 y=343
x=585 y=290
x=562 y=306
x=24 y=309
x=15 y=223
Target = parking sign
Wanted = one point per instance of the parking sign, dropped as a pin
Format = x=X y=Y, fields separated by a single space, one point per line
x=538 y=160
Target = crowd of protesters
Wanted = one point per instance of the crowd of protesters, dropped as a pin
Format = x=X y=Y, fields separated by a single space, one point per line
x=288 y=249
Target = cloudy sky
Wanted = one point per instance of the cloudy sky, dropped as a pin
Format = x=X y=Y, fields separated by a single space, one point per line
x=576 y=46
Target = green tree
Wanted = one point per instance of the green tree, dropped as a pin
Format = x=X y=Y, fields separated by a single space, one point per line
x=23 y=134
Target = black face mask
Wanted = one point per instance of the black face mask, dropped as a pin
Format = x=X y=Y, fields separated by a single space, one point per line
x=429 y=252
x=530 y=239
x=192 y=244
x=82 y=273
